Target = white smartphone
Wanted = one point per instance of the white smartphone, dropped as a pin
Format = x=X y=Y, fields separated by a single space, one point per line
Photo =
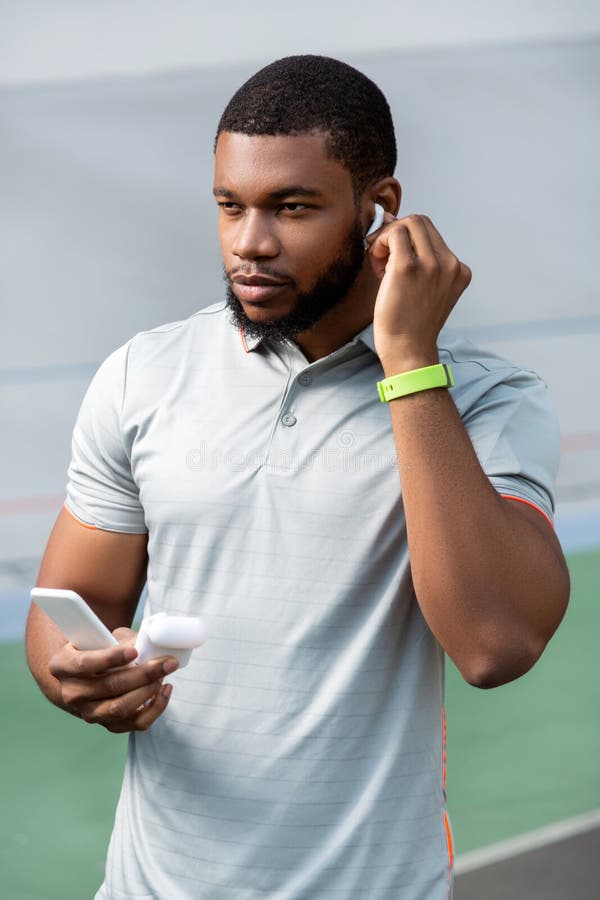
x=74 y=617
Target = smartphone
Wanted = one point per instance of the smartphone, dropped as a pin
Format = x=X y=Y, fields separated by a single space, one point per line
x=74 y=617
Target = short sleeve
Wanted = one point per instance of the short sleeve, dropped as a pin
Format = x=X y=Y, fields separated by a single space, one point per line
x=514 y=429
x=101 y=491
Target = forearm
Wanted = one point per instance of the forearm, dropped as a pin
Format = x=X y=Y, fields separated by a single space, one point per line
x=42 y=640
x=490 y=586
x=108 y=569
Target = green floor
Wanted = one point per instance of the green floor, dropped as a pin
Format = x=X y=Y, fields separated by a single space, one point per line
x=519 y=757
x=528 y=753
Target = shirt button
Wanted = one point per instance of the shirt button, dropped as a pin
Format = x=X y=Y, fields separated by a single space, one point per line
x=305 y=378
x=288 y=419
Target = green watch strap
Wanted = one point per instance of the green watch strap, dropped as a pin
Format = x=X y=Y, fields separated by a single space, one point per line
x=416 y=380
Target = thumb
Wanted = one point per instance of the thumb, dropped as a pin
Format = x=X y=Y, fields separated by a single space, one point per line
x=125 y=635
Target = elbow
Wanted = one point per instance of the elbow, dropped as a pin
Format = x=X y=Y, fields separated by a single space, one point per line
x=503 y=657
x=493 y=669
x=493 y=675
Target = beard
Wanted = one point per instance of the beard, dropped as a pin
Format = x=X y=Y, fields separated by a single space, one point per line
x=329 y=289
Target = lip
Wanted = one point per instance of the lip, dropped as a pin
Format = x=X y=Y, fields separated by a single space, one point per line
x=258 y=292
x=258 y=278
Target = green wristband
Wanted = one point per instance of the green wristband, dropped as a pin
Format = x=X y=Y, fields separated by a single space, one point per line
x=436 y=376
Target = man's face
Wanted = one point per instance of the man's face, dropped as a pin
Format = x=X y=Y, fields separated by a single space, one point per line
x=289 y=228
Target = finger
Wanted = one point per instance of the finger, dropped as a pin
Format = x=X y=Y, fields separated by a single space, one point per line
x=117 y=682
x=146 y=715
x=465 y=274
x=388 y=218
x=126 y=680
x=420 y=239
x=462 y=272
x=87 y=663
x=149 y=714
x=437 y=241
x=118 y=710
x=125 y=635
x=395 y=240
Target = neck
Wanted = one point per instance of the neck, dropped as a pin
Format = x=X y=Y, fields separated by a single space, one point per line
x=340 y=324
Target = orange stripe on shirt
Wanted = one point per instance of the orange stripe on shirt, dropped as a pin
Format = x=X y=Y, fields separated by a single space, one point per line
x=449 y=839
x=79 y=522
x=529 y=503
x=243 y=337
x=444 y=813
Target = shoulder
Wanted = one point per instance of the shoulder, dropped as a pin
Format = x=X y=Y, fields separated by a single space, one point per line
x=168 y=340
x=157 y=352
x=479 y=372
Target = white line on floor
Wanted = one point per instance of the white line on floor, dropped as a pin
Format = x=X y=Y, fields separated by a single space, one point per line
x=523 y=843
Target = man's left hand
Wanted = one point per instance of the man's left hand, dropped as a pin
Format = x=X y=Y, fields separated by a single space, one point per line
x=421 y=281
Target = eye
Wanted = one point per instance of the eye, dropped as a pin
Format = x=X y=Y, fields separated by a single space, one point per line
x=293 y=207
x=228 y=206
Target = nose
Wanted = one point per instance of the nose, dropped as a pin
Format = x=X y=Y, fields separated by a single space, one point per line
x=253 y=236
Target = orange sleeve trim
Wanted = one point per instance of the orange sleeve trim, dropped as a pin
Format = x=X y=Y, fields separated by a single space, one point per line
x=79 y=522
x=447 y=828
x=449 y=839
x=532 y=505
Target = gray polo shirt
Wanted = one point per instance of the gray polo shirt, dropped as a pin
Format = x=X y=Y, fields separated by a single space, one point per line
x=302 y=754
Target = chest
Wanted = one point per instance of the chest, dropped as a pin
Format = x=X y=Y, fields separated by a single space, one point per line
x=314 y=440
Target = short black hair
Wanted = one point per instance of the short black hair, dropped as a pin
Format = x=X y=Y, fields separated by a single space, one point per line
x=301 y=94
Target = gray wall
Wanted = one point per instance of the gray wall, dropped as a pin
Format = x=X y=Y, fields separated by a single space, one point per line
x=107 y=227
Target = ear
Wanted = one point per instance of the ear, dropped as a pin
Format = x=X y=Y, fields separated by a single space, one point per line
x=388 y=193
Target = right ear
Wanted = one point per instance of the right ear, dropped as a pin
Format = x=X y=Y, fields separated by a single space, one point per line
x=387 y=193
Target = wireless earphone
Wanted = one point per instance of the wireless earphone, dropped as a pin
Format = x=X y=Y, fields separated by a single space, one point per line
x=168 y=635
x=376 y=223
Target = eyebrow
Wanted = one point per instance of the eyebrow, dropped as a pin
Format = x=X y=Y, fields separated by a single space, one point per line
x=292 y=190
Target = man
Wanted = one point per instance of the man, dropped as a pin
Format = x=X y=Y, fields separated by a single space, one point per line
x=243 y=463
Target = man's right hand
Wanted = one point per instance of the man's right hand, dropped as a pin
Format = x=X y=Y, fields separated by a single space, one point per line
x=102 y=688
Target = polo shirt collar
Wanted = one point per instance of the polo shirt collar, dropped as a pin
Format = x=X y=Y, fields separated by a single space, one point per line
x=250 y=342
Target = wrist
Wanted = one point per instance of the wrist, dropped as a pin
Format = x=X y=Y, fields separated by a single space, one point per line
x=412 y=381
x=397 y=363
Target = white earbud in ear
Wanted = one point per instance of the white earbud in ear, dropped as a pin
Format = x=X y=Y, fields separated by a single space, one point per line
x=376 y=223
